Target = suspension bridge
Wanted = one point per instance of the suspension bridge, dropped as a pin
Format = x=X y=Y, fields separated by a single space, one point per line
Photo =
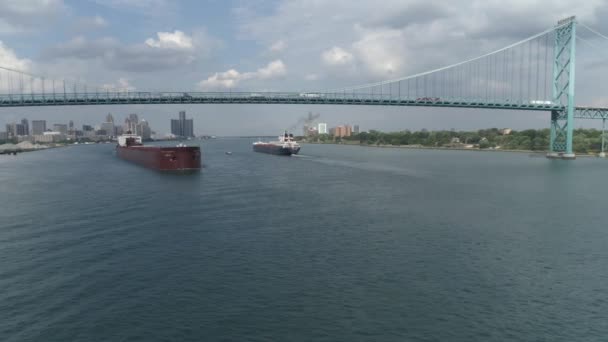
x=534 y=74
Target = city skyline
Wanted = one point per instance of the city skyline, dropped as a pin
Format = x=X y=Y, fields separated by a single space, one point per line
x=52 y=131
x=177 y=47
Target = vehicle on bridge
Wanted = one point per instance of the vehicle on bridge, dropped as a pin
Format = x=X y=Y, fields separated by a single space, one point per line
x=311 y=95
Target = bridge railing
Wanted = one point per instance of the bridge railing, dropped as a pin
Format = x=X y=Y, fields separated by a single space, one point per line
x=358 y=98
x=259 y=97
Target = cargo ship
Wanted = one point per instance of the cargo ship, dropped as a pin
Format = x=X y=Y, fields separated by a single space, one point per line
x=162 y=158
x=285 y=146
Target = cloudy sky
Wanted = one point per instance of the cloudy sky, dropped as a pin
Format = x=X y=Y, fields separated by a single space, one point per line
x=286 y=45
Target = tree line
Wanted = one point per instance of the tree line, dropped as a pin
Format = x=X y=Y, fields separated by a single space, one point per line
x=584 y=140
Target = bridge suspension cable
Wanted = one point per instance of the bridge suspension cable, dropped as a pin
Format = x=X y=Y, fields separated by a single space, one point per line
x=593 y=31
x=520 y=73
x=15 y=83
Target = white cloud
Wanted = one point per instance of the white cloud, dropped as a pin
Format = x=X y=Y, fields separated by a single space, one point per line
x=272 y=70
x=278 y=46
x=122 y=84
x=168 y=40
x=170 y=50
x=232 y=78
x=337 y=56
x=227 y=79
x=382 y=51
x=8 y=59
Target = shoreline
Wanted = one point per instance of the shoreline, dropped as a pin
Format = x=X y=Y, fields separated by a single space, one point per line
x=418 y=147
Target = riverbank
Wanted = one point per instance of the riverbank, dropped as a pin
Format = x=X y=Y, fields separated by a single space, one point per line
x=25 y=146
x=420 y=147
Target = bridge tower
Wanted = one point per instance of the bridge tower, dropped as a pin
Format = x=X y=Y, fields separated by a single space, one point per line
x=562 y=121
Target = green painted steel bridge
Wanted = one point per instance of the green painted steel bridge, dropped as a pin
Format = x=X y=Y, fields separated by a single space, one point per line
x=535 y=74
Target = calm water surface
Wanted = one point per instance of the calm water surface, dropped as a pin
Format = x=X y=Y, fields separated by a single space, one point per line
x=342 y=243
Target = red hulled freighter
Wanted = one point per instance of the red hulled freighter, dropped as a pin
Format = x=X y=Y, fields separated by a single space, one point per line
x=162 y=158
x=285 y=146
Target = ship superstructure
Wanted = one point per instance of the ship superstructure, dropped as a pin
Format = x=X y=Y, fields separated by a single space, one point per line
x=285 y=146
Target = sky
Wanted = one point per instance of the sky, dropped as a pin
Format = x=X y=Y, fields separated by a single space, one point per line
x=279 y=45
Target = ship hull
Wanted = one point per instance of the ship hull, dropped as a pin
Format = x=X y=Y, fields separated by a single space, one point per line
x=181 y=159
x=273 y=149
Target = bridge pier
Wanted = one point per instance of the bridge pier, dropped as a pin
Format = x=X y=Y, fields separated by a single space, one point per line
x=561 y=155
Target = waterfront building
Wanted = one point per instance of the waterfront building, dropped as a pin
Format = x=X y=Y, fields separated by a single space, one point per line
x=108 y=127
x=21 y=129
x=38 y=127
x=322 y=128
x=87 y=128
x=15 y=129
x=143 y=130
x=182 y=127
x=26 y=127
x=50 y=136
x=61 y=128
x=11 y=130
x=342 y=131
x=130 y=123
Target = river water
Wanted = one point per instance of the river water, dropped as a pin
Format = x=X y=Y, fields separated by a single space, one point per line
x=341 y=243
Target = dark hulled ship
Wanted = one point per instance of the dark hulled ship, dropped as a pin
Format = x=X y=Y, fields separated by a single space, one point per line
x=285 y=146
x=161 y=158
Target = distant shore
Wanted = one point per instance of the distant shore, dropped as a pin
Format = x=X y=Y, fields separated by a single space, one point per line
x=420 y=147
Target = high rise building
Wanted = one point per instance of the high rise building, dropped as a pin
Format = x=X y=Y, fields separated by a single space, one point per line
x=61 y=128
x=356 y=129
x=26 y=127
x=15 y=129
x=175 y=130
x=108 y=127
x=130 y=123
x=182 y=127
x=143 y=130
x=188 y=127
x=11 y=131
x=348 y=130
x=322 y=128
x=87 y=128
x=342 y=131
x=71 y=125
x=133 y=118
x=38 y=127
x=21 y=129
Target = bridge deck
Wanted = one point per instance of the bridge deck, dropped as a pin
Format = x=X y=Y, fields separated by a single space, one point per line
x=128 y=98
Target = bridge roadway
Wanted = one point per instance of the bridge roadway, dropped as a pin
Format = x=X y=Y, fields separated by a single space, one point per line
x=127 y=98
